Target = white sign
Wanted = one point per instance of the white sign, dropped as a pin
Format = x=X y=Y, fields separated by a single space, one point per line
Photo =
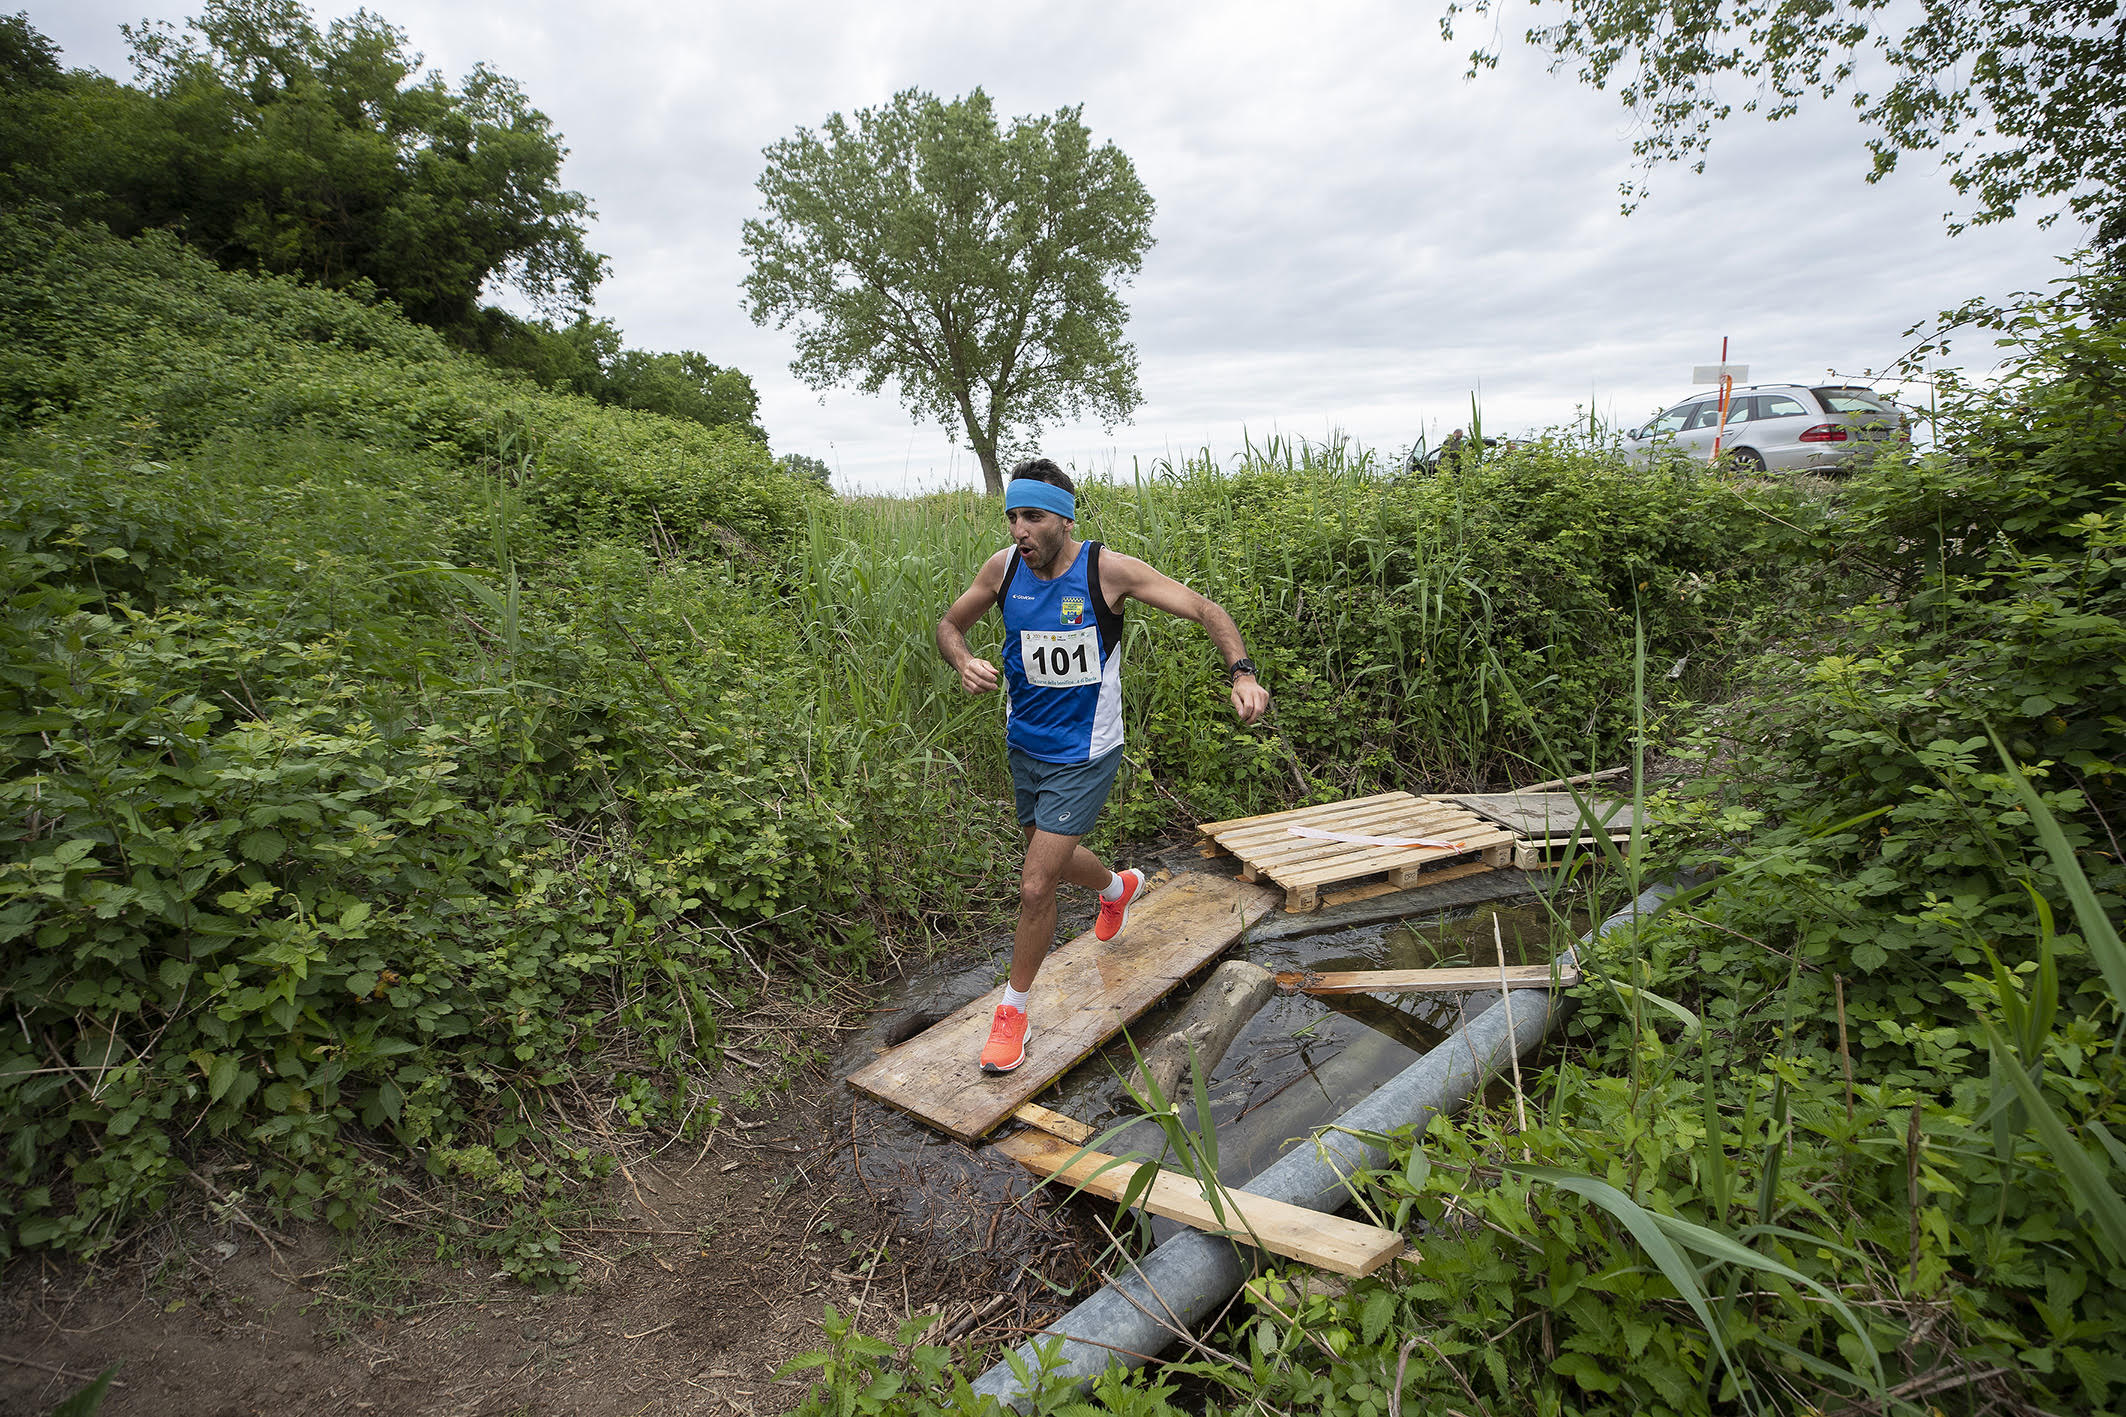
x=1714 y=373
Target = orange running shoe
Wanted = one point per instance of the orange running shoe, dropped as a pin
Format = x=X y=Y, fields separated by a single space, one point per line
x=1006 y=1048
x=1114 y=914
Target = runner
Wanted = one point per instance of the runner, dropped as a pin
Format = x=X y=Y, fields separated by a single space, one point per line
x=1062 y=606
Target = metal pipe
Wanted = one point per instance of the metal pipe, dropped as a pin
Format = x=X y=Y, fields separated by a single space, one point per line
x=1184 y=1280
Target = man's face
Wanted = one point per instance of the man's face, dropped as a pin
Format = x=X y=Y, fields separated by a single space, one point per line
x=1039 y=535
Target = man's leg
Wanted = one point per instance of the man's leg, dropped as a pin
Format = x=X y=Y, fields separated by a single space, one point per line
x=1050 y=860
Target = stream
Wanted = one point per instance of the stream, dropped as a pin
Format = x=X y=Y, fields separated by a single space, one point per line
x=1300 y=1061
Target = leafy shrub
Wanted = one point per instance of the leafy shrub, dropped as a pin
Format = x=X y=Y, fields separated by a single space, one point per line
x=289 y=861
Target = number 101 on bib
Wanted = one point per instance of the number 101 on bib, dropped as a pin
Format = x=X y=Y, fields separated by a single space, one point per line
x=1060 y=659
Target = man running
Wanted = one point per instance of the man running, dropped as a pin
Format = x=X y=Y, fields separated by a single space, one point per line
x=1062 y=605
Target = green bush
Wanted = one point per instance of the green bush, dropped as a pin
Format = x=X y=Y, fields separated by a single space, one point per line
x=292 y=856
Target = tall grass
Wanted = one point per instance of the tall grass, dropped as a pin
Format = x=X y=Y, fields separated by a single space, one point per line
x=1393 y=618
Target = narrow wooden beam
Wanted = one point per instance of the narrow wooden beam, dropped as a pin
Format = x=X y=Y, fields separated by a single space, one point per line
x=1424 y=981
x=1309 y=1236
x=1055 y=1123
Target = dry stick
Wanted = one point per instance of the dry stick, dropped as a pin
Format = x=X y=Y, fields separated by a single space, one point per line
x=66 y=1373
x=1845 y=1054
x=1172 y=1321
x=1402 y=1365
x=639 y=1198
x=1715 y=925
x=236 y=1210
x=1574 y=781
x=1912 y=1190
x=1513 y=1051
x=1419 y=1338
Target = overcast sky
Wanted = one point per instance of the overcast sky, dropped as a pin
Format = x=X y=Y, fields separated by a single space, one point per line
x=1350 y=236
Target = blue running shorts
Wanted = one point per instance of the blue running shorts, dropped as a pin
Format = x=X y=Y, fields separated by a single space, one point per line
x=1064 y=798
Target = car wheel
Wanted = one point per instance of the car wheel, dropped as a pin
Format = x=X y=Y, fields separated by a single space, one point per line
x=1745 y=460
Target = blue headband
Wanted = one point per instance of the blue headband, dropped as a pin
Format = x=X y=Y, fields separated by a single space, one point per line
x=1032 y=492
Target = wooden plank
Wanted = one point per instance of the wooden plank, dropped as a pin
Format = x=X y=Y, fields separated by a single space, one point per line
x=1287 y=866
x=1083 y=996
x=1358 y=893
x=1297 y=814
x=1383 y=858
x=1279 y=842
x=1387 y=809
x=1070 y=1129
x=1274 y=856
x=1387 y=819
x=1538 y=855
x=1416 y=881
x=1454 y=980
x=1309 y=1236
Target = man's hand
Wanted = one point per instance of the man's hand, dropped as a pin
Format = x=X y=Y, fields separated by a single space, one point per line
x=1250 y=699
x=979 y=676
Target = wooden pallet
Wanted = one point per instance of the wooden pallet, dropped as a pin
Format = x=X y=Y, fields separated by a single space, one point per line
x=1084 y=994
x=1305 y=865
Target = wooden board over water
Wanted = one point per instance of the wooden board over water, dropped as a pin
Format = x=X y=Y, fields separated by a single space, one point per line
x=1305 y=865
x=1084 y=995
x=1457 y=980
x=1309 y=1236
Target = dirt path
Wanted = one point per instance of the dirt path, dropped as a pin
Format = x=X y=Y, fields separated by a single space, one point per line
x=712 y=1268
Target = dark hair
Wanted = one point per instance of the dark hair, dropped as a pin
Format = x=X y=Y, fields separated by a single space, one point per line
x=1045 y=470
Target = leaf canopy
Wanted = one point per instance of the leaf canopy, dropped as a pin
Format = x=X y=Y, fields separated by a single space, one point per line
x=975 y=267
x=2022 y=102
x=274 y=145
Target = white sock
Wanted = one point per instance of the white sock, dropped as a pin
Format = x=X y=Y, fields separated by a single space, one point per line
x=1113 y=889
x=1013 y=999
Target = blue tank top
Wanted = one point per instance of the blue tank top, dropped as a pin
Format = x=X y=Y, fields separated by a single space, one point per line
x=1062 y=662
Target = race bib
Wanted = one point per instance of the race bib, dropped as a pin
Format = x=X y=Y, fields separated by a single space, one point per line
x=1060 y=659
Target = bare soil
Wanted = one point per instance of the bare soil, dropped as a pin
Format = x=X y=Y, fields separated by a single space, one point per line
x=705 y=1269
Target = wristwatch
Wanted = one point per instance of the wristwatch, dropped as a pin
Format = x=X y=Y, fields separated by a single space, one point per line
x=1239 y=667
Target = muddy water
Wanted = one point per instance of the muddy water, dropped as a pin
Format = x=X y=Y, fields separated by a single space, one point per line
x=1299 y=1062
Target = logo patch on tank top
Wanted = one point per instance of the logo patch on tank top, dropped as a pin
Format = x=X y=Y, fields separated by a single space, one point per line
x=1073 y=610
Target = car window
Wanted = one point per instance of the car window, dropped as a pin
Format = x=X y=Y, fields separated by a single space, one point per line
x=1781 y=406
x=1671 y=421
x=1703 y=415
x=1852 y=401
x=1738 y=411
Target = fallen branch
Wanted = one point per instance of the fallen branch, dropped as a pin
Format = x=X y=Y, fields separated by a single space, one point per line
x=1227 y=1000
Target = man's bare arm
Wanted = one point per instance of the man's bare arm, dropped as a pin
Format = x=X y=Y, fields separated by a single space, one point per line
x=977 y=675
x=1127 y=576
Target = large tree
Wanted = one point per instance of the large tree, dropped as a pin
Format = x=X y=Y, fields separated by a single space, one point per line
x=275 y=145
x=2023 y=102
x=976 y=268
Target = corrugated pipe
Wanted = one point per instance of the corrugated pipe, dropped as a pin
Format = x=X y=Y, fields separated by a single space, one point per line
x=1183 y=1281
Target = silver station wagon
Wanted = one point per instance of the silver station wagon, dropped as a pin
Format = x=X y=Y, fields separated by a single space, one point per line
x=1776 y=428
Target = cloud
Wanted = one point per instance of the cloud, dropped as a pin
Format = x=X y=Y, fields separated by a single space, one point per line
x=1349 y=234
